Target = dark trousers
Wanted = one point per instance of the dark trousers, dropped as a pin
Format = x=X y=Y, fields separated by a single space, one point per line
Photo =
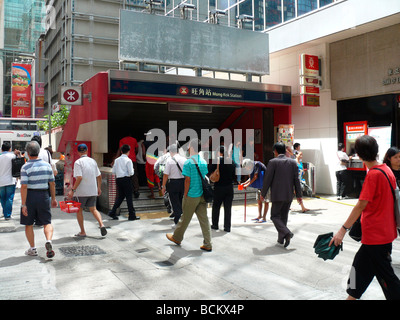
x=279 y=217
x=222 y=194
x=374 y=261
x=342 y=181
x=124 y=190
x=176 y=188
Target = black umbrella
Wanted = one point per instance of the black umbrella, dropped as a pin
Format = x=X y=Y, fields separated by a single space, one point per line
x=322 y=248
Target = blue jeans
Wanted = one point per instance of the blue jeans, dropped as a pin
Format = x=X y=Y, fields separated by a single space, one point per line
x=6 y=199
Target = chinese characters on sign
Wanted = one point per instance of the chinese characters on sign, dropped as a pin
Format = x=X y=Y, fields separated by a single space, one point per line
x=393 y=76
x=210 y=92
x=309 y=83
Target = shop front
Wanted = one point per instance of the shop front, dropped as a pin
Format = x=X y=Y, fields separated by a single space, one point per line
x=365 y=79
x=120 y=103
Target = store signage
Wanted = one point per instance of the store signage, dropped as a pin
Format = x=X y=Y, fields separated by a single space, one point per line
x=309 y=90
x=309 y=82
x=393 y=76
x=71 y=95
x=118 y=86
x=355 y=128
x=309 y=100
x=39 y=99
x=21 y=90
x=309 y=65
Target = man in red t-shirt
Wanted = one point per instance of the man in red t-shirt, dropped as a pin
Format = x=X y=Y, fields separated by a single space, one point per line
x=376 y=208
x=132 y=142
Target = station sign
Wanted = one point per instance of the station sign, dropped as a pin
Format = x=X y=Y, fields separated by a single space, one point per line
x=182 y=90
x=70 y=95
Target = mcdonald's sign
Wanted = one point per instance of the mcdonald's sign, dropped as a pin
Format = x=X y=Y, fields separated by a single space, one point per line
x=21 y=90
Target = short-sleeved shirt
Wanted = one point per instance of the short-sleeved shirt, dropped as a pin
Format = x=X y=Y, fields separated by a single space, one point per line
x=132 y=142
x=190 y=170
x=171 y=167
x=259 y=169
x=377 y=219
x=86 y=168
x=37 y=174
x=6 y=178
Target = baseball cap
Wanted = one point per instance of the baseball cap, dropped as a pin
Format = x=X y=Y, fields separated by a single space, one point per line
x=82 y=147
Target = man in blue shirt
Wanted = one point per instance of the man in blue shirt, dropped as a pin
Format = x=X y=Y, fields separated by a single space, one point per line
x=36 y=179
x=193 y=200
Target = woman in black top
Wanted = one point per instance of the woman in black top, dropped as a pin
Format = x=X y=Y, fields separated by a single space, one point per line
x=392 y=160
x=223 y=190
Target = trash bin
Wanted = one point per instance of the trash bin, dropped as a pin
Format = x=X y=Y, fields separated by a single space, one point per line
x=308 y=184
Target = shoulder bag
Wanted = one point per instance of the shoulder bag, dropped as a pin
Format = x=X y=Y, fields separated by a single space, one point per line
x=208 y=191
x=16 y=165
x=214 y=177
x=396 y=197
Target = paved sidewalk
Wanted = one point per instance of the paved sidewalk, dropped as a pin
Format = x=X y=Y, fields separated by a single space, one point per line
x=135 y=261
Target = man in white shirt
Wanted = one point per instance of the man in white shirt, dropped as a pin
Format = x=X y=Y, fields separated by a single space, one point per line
x=123 y=170
x=7 y=182
x=342 y=175
x=86 y=188
x=176 y=181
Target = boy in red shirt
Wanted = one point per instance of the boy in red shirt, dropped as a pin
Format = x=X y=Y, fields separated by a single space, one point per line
x=376 y=207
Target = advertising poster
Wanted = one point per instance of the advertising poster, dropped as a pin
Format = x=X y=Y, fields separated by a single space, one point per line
x=39 y=102
x=286 y=134
x=382 y=135
x=21 y=90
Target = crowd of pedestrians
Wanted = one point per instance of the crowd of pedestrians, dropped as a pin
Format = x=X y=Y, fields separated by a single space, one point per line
x=183 y=181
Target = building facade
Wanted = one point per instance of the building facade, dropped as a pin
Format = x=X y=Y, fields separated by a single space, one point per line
x=21 y=23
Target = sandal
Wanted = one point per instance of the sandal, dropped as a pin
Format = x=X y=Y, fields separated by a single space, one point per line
x=255 y=219
x=261 y=221
x=80 y=235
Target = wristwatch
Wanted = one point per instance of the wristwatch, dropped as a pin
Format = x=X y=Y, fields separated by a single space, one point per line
x=73 y=190
x=24 y=205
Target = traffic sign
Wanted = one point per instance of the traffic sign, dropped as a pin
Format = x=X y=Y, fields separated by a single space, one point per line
x=71 y=95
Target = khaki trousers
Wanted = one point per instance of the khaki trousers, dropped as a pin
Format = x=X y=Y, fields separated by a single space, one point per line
x=189 y=207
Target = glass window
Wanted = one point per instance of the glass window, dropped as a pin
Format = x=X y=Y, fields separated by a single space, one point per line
x=305 y=6
x=324 y=2
x=273 y=12
x=289 y=9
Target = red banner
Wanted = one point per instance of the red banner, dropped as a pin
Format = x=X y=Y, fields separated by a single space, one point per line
x=21 y=90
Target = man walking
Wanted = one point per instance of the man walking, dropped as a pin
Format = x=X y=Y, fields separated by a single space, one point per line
x=36 y=179
x=123 y=170
x=176 y=181
x=86 y=188
x=133 y=144
x=7 y=182
x=193 y=200
x=281 y=176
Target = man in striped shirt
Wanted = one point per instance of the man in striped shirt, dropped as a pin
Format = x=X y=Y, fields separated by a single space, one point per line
x=36 y=179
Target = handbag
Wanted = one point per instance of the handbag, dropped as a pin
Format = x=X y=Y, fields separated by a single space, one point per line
x=16 y=165
x=214 y=177
x=355 y=231
x=208 y=191
x=396 y=197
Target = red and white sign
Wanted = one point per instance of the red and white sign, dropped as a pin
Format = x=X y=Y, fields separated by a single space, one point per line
x=71 y=95
x=355 y=128
x=309 y=90
x=307 y=100
x=309 y=65
x=308 y=81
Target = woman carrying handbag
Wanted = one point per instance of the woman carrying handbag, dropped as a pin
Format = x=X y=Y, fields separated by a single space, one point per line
x=223 y=190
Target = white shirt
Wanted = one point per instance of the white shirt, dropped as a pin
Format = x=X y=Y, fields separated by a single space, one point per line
x=171 y=168
x=342 y=156
x=6 y=178
x=123 y=167
x=86 y=168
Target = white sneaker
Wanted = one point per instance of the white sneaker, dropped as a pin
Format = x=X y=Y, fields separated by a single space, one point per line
x=31 y=252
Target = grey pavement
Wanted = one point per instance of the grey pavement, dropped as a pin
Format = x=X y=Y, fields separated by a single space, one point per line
x=135 y=261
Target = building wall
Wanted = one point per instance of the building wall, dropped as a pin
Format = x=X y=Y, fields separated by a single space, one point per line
x=366 y=65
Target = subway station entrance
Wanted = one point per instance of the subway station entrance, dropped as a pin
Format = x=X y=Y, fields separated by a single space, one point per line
x=119 y=103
